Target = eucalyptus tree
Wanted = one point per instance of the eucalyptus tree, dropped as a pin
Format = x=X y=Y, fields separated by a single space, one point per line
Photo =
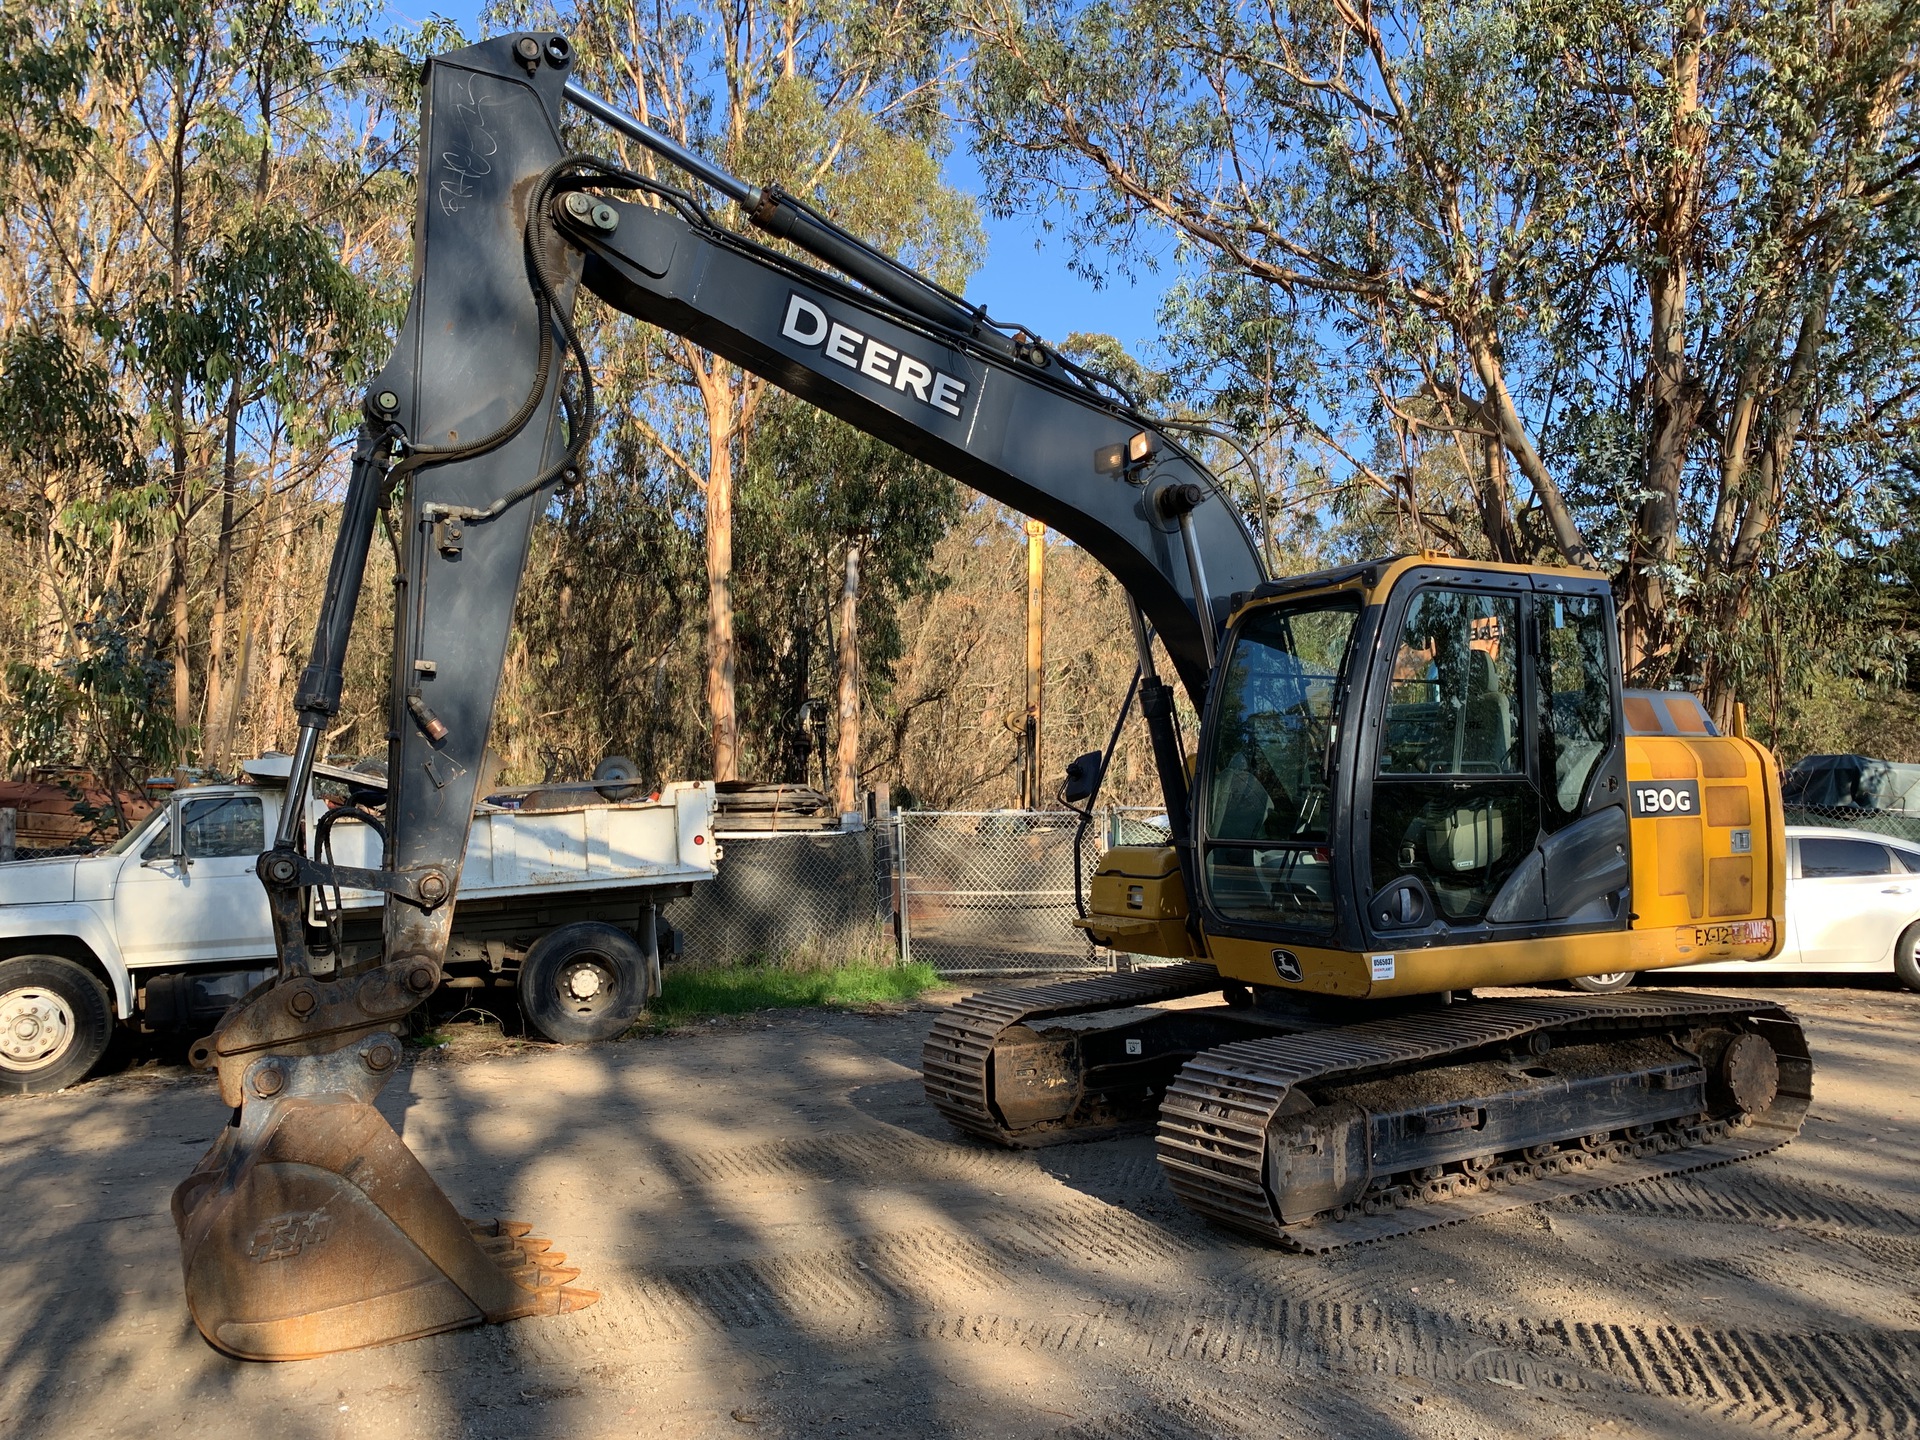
x=207 y=233
x=838 y=101
x=814 y=491
x=1645 y=268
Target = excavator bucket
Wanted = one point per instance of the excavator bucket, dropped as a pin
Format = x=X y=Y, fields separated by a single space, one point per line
x=309 y=1228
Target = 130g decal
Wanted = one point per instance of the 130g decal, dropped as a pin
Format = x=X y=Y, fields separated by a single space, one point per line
x=1661 y=798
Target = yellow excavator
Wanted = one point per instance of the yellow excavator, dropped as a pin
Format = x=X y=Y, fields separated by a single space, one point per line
x=1412 y=779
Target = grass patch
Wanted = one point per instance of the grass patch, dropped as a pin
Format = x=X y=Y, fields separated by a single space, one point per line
x=692 y=993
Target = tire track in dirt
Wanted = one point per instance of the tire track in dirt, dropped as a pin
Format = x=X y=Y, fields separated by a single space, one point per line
x=902 y=1155
x=1817 y=1383
x=1194 y=1417
x=877 y=1275
x=1749 y=1199
x=1826 y=1382
x=857 y=1155
x=918 y=1269
x=1090 y=1232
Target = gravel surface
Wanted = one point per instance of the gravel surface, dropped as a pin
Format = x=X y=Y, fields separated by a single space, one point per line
x=790 y=1243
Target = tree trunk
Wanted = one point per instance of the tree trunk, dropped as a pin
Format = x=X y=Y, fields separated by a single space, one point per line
x=1672 y=407
x=846 y=665
x=1498 y=406
x=182 y=615
x=1756 y=526
x=176 y=290
x=1030 y=787
x=720 y=709
x=218 y=736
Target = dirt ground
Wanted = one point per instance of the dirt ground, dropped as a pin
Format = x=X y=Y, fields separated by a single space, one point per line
x=790 y=1243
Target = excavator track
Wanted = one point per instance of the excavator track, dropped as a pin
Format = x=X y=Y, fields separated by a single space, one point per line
x=957 y=1060
x=1218 y=1121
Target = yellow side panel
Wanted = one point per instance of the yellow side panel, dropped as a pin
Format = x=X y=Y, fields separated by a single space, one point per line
x=1730 y=886
x=1729 y=805
x=1678 y=863
x=1712 y=862
x=1138 y=903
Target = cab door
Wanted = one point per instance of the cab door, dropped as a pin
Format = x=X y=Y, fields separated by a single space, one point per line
x=192 y=896
x=1491 y=785
x=1269 y=814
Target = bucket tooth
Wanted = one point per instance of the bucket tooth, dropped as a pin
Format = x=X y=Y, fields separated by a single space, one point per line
x=312 y=1229
x=504 y=1229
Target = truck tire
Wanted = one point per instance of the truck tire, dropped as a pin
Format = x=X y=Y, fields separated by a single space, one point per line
x=55 y=1022
x=1906 y=962
x=617 y=768
x=1604 y=984
x=583 y=982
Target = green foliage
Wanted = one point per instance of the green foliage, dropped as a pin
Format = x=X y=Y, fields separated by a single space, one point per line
x=1619 y=284
x=102 y=709
x=268 y=303
x=59 y=410
x=41 y=76
x=690 y=993
x=811 y=486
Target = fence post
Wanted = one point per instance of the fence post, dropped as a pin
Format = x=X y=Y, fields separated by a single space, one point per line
x=9 y=832
x=900 y=883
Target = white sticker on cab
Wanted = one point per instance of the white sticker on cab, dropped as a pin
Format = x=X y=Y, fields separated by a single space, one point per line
x=1382 y=967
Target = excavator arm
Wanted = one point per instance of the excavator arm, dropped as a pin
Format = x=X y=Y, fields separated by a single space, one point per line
x=308 y=1227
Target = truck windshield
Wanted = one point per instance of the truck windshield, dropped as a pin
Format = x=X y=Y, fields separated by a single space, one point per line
x=1270 y=766
x=136 y=832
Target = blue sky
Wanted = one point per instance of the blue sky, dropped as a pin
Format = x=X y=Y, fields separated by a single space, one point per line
x=1025 y=280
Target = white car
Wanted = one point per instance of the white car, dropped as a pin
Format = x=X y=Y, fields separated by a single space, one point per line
x=1853 y=906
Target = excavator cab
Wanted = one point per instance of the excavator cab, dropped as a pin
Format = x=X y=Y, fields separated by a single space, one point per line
x=1418 y=775
x=1404 y=763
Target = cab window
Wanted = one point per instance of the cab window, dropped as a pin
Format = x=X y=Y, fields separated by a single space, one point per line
x=1452 y=804
x=161 y=845
x=1453 y=706
x=1576 y=698
x=1270 y=769
x=223 y=826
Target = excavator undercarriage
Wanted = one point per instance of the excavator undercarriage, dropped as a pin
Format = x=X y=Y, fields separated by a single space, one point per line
x=1303 y=1126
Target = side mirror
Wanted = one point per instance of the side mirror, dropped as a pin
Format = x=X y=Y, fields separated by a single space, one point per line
x=1083 y=778
x=176 y=845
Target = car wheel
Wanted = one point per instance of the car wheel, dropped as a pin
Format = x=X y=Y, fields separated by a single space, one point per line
x=1906 y=956
x=583 y=982
x=1604 y=984
x=55 y=1022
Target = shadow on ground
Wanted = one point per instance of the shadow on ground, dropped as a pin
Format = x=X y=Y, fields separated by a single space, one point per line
x=790 y=1243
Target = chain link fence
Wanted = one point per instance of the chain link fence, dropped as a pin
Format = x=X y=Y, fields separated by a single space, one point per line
x=789 y=896
x=985 y=892
x=1899 y=824
x=992 y=891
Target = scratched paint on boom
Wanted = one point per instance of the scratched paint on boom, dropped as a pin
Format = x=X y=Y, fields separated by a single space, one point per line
x=811 y=326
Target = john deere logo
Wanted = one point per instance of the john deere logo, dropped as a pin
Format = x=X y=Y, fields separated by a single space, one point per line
x=1287 y=963
x=285 y=1236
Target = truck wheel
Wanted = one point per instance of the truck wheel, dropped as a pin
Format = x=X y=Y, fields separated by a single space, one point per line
x=1906 y=956
x=55 y=1022
x=1604 y=984
x=617 y=768
x=585 y=981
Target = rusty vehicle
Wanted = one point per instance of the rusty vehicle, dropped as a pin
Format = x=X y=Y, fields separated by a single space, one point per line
x=1412 y=777
x=61 y=808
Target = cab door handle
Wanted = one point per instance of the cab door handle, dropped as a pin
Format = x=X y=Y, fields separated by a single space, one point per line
x=1897 y=890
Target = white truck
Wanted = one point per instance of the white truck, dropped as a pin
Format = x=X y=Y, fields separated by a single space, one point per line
x=558 y=900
